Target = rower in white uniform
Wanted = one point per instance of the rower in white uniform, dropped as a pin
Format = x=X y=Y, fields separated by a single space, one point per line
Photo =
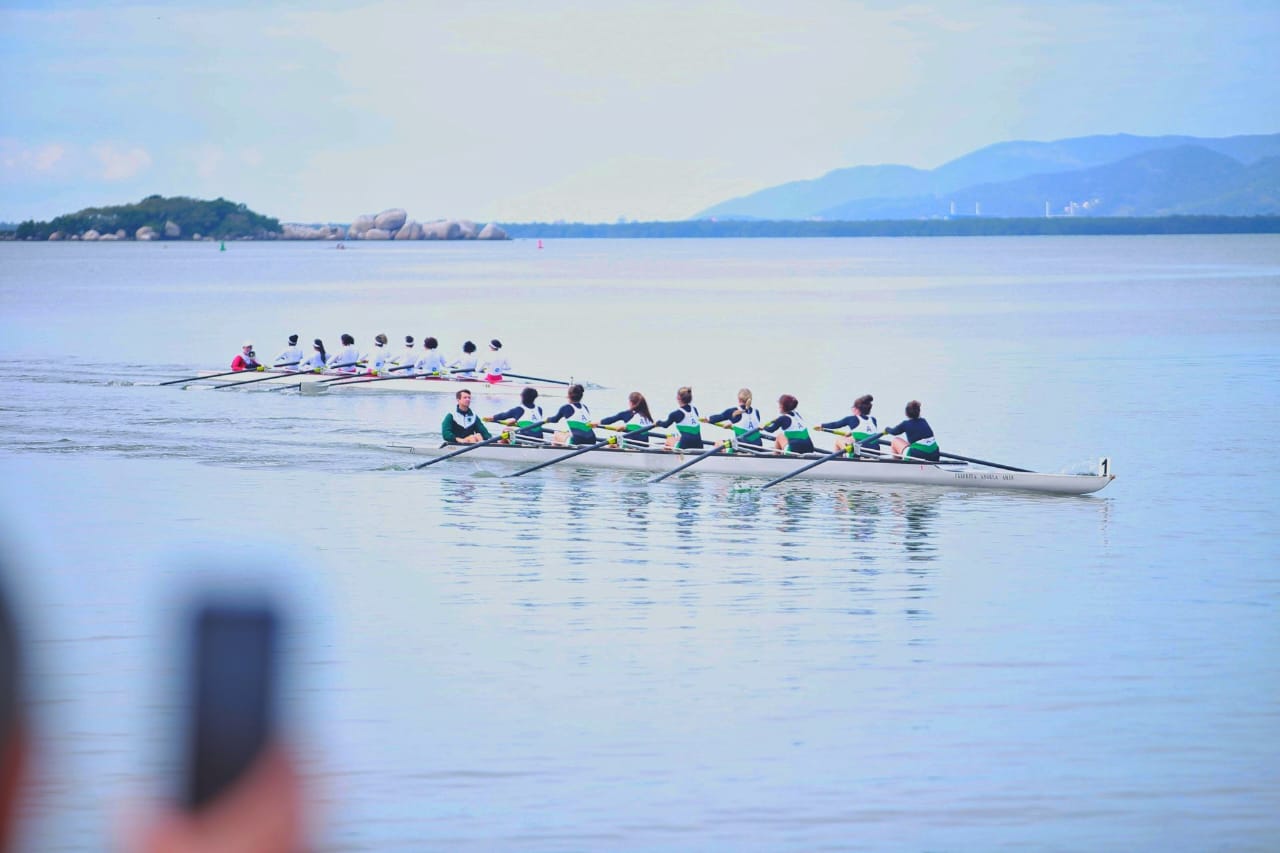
x=347 y=358
x=375 y=361
x=465 y=367
x=403 y=362
x=497 y=363
x=432 y=362
x=291 y=356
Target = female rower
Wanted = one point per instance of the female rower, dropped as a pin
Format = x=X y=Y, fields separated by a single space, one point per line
x=524 y=415
x=635 y=416
x=577 y=417
x=461 y=426
x=793 y=435
x=913 y=438
x=246 y=359
x=743 y=418
x=375 y=361
x=317 y=360
x=433 y=363
x=345 y=360
x=466 y=366
x=688 y=434
x=404 y=362
x=860 y=424
x=497 y=363
x=291 y=356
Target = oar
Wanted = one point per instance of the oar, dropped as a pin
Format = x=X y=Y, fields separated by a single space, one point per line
x=720 y=445
x=537 y=379
x=580 y=451
x=259 y=378
x=195 y=378
x=360 y=380
x=475 y=446
x=983 y=462
x=832 y=455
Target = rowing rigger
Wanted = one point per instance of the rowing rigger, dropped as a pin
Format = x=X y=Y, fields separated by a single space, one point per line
x=771 y=466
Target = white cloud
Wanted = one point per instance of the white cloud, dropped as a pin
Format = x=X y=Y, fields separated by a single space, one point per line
x=120 y=164
x=29 y=160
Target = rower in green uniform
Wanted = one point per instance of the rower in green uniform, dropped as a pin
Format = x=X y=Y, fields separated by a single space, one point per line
x=688 y=434
x=860 y=424
x=792 y=435
x=913 y=438
x=462 y=426
x=744 y=419
x=577 y=417
x=635 y=417
x=524 y=415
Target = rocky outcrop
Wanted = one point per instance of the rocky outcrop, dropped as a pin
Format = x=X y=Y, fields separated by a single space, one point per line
x=146 y=232
x=411 y=230
x=56 y=235
x=172 y=230
x=297 y=231
x=120 y=235
x=395 y=224
x=359 y=227
x=107 y=238
x=445 y=229
x=91 y=234
x=391 y=220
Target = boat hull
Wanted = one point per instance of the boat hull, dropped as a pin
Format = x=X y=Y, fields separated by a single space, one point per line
x=329 y=383
x=956 y=475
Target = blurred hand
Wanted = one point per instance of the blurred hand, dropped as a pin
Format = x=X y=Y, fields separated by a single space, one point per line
x=261 y=814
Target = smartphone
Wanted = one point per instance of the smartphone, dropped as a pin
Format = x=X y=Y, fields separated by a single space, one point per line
x=232 y=695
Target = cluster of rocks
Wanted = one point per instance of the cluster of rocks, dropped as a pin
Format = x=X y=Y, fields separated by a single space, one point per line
x=171 y=231
x=395 y=224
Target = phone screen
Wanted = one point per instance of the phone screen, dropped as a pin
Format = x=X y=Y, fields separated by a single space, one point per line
x=233 y=696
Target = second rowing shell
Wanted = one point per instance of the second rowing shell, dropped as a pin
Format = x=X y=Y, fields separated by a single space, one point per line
x=328 y=383
x=654 y=461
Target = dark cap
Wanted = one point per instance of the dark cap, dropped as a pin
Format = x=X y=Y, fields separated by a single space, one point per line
x=293 y=339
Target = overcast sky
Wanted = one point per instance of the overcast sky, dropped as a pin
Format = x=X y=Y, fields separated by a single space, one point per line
x=584 y=111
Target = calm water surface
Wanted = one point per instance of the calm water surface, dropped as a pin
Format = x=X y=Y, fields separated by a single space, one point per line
x=577 y=660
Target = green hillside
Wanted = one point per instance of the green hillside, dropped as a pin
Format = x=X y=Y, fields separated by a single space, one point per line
x=185 y=218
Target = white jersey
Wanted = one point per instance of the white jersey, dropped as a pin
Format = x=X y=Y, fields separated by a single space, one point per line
x=290 y=357
x=404 y=359
x=375 y=361
x=497 y=365
x=345 y=360
x=466 y=364
x=311 y=362
x=432 y=363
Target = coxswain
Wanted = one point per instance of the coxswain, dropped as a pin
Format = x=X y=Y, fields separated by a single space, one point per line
x=432 y=362
x=742 y=418
x=792 y=434
x=291 y=356
x=375 y=361
x=405 y=361
x=465 y=367
x=463 y=426
x=577 y=417
x=688 y=434
x=497 y=363
x=346 y=359
x=634 y=417
x=913 y=438
x=317 y=360
x=860 y=424
x=524 y=415
x=246 y=359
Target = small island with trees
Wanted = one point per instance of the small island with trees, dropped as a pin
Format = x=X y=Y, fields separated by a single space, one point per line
x=156 y=218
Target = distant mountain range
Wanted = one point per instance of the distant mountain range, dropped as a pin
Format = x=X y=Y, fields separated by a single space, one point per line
x=1120 y=175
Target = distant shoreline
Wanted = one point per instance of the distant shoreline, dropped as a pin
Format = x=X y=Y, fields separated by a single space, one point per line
x=1058 y=226
x=960 y=227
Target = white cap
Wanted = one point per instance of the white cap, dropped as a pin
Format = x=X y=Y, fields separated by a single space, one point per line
x=247 y=343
